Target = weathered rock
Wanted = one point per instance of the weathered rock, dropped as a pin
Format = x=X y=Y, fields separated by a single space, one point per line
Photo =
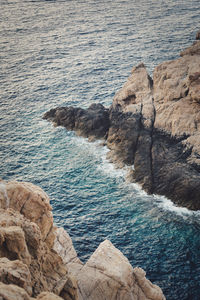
x=137 y=87
x=12 y=292
x=198 y=35
x=30 y=267
x=21 y=242
x=109 y=275
x=15 y=272
x=64 y=247
x=155 y=126
x=93 y=122
x=48 y=296
x=30 y=200
x=123 y=136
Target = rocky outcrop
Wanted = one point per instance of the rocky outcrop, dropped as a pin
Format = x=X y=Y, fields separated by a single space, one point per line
x=32 y=266
x=26 y=255
x=154 y=124
x=107 y=274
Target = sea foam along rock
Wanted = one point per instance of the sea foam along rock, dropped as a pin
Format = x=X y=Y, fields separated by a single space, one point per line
x=155 y=125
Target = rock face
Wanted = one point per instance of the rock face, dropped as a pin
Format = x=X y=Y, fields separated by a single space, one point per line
x=35 y=266
x=107 y=274
x=93 y=122
x=154 y=124
x=26 y=238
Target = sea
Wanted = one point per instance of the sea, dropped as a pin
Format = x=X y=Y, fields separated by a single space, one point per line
x=75 y=52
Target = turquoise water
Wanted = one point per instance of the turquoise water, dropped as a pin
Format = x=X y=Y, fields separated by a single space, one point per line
x=55 y=53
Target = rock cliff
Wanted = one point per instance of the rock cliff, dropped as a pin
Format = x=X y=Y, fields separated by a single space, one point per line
x=38 y=260
x=153 y=124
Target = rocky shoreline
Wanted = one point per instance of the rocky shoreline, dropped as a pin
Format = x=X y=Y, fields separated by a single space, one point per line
x=38 y=260
x=153 y=124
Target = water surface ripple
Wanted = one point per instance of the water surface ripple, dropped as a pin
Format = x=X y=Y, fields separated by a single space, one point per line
x=59 y=52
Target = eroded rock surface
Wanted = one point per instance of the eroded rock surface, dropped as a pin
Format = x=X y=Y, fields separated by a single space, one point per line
x=26 y=238
x=34 y=266
x=107 y=274
x=154 y=124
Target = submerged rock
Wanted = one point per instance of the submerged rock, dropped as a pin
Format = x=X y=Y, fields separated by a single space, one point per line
x=154 y=124
x=32 y=267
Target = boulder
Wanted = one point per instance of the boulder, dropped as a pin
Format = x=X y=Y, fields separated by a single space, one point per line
x=109 y=275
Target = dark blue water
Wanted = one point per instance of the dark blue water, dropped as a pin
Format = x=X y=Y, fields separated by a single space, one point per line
x=76 y=52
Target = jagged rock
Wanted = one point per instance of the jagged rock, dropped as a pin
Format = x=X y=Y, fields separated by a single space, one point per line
x=109 y=275
x=31 y=201
x=123 y=136
x=137 y=87
x=91 y=122
x=48 y=296
x=155 y=125
x=64 y=247
x=198 y=35
x=12 y=292
x=30 y=268
x=21 y=242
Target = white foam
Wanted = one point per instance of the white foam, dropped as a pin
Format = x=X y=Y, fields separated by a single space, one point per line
x=168 y=205
x=100 y=151
x=4 y=192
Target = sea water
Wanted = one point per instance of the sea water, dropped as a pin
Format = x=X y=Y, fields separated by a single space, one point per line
x=59 y=52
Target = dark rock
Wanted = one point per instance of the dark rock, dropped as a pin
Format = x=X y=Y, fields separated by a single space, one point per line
x=153 y=125
x=198 y=35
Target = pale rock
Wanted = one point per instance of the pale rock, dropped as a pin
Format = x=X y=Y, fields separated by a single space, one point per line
x=109 y=275
x=137 y=87
x=64 y=247
x=177 y=98
x=21 y=239
x=30 y=200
